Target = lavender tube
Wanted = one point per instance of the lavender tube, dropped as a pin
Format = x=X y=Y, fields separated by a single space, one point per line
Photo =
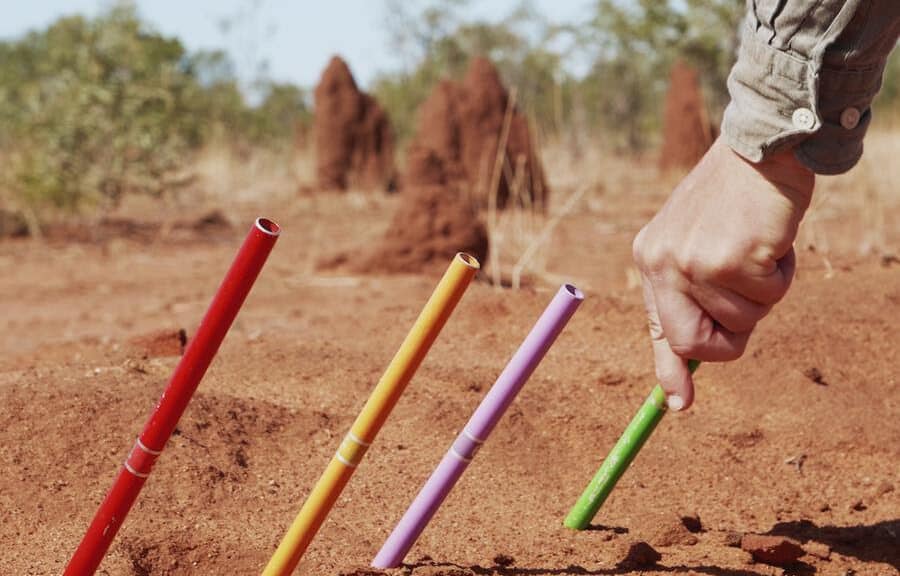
x=476 y=431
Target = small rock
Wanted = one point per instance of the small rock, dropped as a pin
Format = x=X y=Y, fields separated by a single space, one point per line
x=211 y=222
x=815 y=375
x=858 y=506
x=796 y=461
x=884 y=487
x=888 y=259
x=772 y=550
x=161 y=343
x=818 y=549
x=733 y=539
x=135 y=366
x=434 y=571
x=362 y=572
x=504 y=560
x=692 y=523
x=824 y=507
x=640 y=555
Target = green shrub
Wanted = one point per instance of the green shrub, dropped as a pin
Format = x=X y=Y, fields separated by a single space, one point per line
x=92 y=109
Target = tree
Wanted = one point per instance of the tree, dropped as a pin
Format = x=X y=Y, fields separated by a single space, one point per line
x=633 y=45
x=92 y=109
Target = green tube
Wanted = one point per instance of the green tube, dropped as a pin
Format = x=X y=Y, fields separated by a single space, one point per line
x=621 y=456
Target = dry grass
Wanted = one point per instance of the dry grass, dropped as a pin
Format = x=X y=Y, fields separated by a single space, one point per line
x=496 y=174
x=851 y=214
x=227 y=175
x=593 y=191
x=591 y=188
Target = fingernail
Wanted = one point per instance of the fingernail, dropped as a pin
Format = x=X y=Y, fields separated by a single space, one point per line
x=675 y=402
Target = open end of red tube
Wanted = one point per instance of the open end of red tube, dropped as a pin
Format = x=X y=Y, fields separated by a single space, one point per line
x=268 y=226
x=469 y=261
x=575 y=292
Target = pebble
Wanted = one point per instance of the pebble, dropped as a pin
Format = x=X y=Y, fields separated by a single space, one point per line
x=692 y=523
x=640 y=555
x=504 y=560
x=818 y=549
x=161 y=343
x=772 y=550
x=733 y=539
x=884 y=487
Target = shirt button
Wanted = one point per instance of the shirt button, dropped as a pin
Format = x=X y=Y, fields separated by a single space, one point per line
x=850 y=118
x=803 y=119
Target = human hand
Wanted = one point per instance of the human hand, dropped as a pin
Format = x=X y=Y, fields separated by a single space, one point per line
x=716 y=258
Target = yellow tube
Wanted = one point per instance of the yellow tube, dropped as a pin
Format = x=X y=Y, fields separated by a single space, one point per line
x=379 y=405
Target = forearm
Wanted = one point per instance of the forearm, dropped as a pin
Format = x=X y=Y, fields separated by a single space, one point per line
x=805 y=79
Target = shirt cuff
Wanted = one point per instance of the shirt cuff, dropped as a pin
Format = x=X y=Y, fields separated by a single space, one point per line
x=780 y=100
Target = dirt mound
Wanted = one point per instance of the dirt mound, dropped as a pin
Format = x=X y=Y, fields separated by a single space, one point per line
x=450 y=167
x=353 y=137
x=463 y=124
x=433 y=223
x=669 y=530
x=687 y=131
x=438 y=129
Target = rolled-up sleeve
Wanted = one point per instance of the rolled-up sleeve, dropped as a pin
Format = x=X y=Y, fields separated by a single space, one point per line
x=805 y=78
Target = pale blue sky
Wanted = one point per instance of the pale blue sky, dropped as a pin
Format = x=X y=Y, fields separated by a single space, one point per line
x=296 y=38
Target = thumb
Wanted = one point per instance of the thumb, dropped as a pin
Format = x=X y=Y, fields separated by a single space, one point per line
x=671 y=369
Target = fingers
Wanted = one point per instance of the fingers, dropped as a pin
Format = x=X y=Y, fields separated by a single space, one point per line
x=701 y=317
x=671 y=370
x=731 y=310
x=691 y=332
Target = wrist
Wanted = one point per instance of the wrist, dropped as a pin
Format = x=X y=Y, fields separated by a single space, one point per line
x=784 y=171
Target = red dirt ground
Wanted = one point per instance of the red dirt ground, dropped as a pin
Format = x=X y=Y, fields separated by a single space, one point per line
x=799 y=438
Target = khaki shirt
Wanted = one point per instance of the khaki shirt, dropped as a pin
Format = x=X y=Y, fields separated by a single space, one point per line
x=805 y=78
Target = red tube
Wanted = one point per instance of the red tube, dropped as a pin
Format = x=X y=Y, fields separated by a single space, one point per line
x=190 y=370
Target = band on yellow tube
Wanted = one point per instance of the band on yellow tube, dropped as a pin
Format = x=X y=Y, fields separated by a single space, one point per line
x=376 y=410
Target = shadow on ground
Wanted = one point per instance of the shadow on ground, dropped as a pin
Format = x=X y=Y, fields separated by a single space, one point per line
x=497 y=570
x=878 y=542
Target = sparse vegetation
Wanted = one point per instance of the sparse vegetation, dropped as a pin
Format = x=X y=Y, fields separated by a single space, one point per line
x=92 y=109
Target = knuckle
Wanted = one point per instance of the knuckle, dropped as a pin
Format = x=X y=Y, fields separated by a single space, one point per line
x=649 y=256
